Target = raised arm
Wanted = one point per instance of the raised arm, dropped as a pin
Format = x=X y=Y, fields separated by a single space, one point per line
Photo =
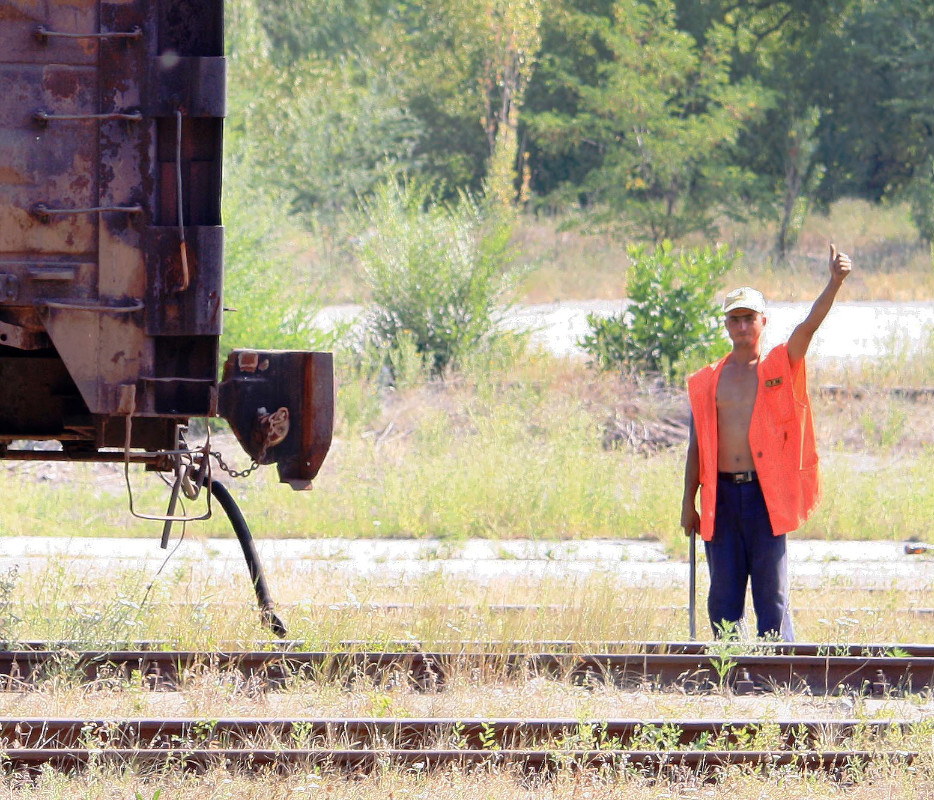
x=800 y=339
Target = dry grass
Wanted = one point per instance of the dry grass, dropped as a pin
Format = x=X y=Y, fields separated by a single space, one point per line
x=213 y=695
x=878 y=783
x=210 y=695
x=544 y=449
x=325 y=605
x=565 y=262
x=434 y=610
x=890 y=261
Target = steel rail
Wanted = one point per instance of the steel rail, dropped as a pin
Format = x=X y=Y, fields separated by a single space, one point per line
x=530 y=760
x=469 y=733
x=429 y=670
x=619 y=647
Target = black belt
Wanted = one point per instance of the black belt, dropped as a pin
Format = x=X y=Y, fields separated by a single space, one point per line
x=738 y=477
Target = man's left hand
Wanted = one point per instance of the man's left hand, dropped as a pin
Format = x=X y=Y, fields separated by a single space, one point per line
x=840 y=265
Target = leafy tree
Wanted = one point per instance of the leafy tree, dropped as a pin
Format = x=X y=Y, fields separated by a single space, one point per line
x=339 y=132
x=802 y=173
x=324 y=113
x=572 y=51
x=330 y=29
x=664 y=118
x=470 y=63
x=653 y=115
x=892 y=58
x=377 y=88
x=871 y=75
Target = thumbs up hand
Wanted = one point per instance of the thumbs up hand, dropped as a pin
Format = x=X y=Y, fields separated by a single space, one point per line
x=840 y=265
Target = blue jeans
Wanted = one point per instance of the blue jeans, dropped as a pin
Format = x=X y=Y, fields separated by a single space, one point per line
x=744 y=549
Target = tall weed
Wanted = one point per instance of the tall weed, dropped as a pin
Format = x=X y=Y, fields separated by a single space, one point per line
x=436 y=271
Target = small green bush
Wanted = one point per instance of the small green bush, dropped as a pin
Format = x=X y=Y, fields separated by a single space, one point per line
x=672 y=321
x=436 y=271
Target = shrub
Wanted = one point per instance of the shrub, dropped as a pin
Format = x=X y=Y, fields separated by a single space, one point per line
x=672 y=320
x=436 y=271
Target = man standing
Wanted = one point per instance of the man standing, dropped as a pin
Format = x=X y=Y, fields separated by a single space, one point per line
x=753 y=455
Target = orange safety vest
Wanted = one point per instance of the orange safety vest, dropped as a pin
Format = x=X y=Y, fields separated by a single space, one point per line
x=781 y=437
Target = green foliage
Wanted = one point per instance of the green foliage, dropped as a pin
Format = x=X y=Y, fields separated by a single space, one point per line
x=660 y=116
x=665 y=117
x=329 y=28
x=8 y=619
x=436 y=271
x=268 y=303
x=878 y=137
x=340 y=130
x=802 y=172
x=326 y=120
x=372 y=89
x=672 y=320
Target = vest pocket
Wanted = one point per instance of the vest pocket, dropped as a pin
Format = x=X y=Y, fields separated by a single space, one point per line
x=780 y=402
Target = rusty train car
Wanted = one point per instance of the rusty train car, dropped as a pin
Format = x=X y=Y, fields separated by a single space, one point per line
x=111 y=250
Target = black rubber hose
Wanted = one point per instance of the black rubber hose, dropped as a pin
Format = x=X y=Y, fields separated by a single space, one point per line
x=270 y=618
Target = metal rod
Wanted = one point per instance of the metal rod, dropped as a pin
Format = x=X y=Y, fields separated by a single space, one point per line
x=95 y=456
x=43 y=117
x=100 y=309
x=691 y=607
x=42 y=33
x=170 y=513
x=43 y=212
x=183 y=246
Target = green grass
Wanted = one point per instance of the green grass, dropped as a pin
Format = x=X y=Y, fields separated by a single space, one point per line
x=516 y=453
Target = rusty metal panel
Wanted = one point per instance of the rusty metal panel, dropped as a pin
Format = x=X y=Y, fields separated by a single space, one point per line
x=196 y=309
x=82 y=182
x=24 y=43
x=111 y=244
x=46 y=163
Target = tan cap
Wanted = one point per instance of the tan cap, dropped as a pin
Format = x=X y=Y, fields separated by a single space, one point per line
x=744 y=297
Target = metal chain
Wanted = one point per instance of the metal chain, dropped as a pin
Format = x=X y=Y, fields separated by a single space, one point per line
x=253 y=464
x=229 y=470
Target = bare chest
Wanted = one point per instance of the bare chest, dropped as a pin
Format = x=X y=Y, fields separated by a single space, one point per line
x=736 y=392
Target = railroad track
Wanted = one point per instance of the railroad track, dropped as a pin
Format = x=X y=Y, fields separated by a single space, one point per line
x=528 y=744
x=617 y=646
x=658 y=665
